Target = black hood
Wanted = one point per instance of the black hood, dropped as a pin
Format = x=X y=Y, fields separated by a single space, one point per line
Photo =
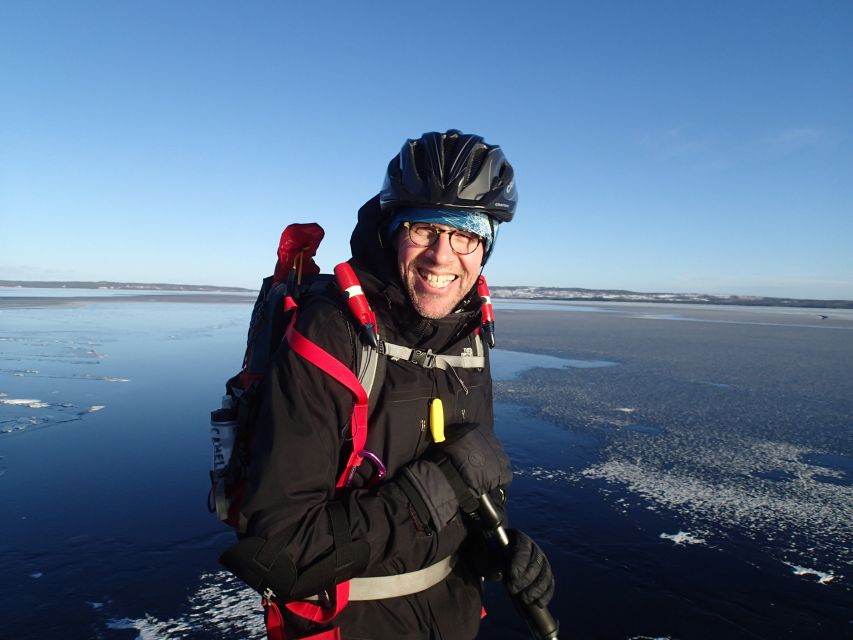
x=369 y=247
x=375 y=258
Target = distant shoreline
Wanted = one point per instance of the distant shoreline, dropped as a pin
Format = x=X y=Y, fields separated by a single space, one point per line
x=687 y=299
x=107 y=285
x=40 y=302
x=208 y=293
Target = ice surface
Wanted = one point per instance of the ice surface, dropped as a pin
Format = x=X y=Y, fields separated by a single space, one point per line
x=724 y=432
x=730 y=497
x=220 y=606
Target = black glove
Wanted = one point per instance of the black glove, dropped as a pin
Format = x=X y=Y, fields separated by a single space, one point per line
x=528 y=572
x=453 y=474
x=477 y=454
x=483 y=559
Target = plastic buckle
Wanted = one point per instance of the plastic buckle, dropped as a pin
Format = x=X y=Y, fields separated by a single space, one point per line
x=425 y=359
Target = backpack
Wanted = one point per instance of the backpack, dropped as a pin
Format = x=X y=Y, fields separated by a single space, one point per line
x=296 y=277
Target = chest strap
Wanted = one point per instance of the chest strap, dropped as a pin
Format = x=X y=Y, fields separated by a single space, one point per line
x=429 y=360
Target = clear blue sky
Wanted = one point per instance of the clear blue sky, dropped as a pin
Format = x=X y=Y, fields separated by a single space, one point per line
x=659 y=146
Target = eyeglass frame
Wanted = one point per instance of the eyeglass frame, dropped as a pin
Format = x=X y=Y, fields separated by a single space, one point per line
x=450 y=233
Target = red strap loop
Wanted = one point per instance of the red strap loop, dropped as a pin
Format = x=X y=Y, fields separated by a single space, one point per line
x=274 y=620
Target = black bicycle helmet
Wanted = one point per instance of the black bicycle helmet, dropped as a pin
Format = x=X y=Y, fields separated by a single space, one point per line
x=452 y=170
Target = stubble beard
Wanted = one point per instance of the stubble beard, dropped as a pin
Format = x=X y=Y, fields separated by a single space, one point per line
x=428 y=305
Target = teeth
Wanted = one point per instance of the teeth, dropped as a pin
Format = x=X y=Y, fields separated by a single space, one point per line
x=438 y=281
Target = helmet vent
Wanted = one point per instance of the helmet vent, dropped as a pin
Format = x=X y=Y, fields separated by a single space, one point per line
x=477 y=161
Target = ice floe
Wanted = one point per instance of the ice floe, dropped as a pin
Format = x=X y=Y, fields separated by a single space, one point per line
x=822 y=577
x=24 y=402
x=61 y=412
x=682 y=538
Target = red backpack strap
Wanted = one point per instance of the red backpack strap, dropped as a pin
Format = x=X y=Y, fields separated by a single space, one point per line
x=275 y=620
x=333 y=367
x=325 y=361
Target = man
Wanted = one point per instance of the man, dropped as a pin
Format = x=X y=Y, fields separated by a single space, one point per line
x=395 y=531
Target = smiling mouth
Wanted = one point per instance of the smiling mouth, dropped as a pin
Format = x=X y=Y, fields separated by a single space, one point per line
x=435 y=280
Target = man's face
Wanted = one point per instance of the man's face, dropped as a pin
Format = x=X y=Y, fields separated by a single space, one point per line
x=436 y=277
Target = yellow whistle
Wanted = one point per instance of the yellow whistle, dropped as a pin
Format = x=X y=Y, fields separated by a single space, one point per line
x=436 y=420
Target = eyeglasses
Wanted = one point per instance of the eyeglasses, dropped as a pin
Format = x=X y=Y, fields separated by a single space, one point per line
x=424 y=234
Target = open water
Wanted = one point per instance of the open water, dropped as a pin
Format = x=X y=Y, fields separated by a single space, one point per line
x=688 y=470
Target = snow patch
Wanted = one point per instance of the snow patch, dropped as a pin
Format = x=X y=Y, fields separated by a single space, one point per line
x=682 y=538
x=822 y=577
x=712 y=488
x=221 y=606
x=541 y=473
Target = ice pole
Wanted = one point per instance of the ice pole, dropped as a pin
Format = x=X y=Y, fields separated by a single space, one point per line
x=539 y=620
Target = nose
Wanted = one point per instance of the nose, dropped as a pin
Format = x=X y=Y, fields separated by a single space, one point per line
x=440 y=249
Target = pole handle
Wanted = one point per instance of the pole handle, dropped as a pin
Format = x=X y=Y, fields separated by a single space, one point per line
x=539 y=620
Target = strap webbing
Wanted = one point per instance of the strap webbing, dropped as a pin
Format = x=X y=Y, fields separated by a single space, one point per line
x=317 y=613
x=322 y=359
x=428 y=359
x=274 y=620
x=401 y=584
x=326 y=362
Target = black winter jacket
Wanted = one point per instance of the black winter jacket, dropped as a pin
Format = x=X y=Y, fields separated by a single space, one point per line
x=299 y=451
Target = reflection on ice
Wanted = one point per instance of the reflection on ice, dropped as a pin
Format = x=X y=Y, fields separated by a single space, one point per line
x=645 y=429
x=506 y=365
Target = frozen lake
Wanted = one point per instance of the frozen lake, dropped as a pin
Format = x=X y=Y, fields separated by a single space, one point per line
x=689 y=470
